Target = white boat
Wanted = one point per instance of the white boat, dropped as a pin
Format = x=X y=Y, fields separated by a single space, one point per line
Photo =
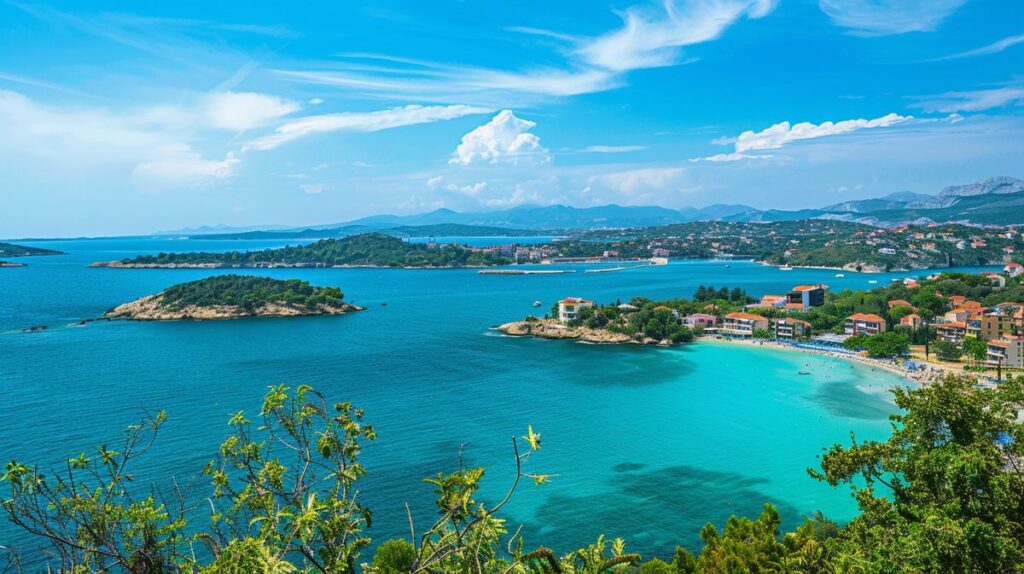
x=785 y=268
x=536 y=303
x=840 y=275
x=872 y=282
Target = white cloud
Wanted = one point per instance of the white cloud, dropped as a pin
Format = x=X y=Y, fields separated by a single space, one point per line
x=504 y=139
x=241 y=111
x=315 y=102
x=152 y=144
x=361 y=122
x=973 y=101
x=885 y=17
x=637 y=181
x=185 y=168
x=993 y=48
x=727 y=157
x=649 y=37
x=313 y=188
x=783 y=133
x=652 y=37
x=612 y=148
x=470 y=190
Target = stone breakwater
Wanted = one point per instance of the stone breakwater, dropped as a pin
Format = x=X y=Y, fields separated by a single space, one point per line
x=552 y=329
x=152 y=308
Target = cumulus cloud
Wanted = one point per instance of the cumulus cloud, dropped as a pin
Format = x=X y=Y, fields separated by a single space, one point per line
x=783 y=133
x=504 y=139
x=241 y=111
x=361 y=122
x=973 y=101
x=885 y=17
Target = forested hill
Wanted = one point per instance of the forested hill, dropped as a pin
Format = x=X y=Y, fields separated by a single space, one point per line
x=11 y=250
x=232 y=296
x=367 y=249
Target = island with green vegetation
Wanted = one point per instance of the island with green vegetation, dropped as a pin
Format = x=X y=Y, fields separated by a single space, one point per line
x=363 y=250
x=235 y=296
x=943 y=494
x=12 y=250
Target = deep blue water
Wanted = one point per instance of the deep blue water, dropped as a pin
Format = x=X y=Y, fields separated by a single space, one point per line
x=646 y=443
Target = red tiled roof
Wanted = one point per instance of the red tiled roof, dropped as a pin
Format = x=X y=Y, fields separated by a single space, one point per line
x=749 y=316
x=870 y=317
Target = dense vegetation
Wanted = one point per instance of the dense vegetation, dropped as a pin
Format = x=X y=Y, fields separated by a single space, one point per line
x=12 y=250
x=944 y=494
x=374 y=249
x=249 y=293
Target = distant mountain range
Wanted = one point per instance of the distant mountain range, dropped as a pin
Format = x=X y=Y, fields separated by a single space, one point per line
x=991 y=201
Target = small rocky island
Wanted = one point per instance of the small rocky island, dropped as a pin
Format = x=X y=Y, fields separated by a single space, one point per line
x=235 y=296
x=9 y=264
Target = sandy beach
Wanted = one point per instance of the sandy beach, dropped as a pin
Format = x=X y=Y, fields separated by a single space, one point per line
x=893 y=366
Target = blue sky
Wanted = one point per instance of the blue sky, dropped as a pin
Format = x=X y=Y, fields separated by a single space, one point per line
x=127 y=117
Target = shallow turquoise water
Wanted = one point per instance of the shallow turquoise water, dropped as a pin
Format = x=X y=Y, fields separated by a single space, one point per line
x=646 y=443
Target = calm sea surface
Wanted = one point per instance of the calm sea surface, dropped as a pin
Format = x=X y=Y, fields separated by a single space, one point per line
x=646 y=443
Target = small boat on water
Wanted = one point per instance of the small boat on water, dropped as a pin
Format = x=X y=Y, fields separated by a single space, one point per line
x=804 y=373
x=872 y=281
x=536 y=303
x=785 y=268
x=840 y=275
x=728 y=266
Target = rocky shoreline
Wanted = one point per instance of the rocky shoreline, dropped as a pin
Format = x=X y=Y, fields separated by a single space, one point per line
x=10 y=264
x=152 y=308
x=552 y=329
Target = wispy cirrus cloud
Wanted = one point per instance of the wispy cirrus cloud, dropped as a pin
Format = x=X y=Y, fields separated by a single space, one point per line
x=783 y=133
x=973 y=100
x=650 y=36
x=361 y=122
x=887 y=17
x=993 y=48
x=612 y=148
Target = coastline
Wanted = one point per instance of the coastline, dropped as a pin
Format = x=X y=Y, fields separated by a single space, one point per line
x=122 y=265
x=891 y=366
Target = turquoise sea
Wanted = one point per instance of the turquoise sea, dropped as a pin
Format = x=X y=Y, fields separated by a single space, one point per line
x=645 y=443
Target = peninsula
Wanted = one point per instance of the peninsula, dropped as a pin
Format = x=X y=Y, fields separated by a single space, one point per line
x=235 y=296
x=363 y=250
x=12 y=250
x=9 y=264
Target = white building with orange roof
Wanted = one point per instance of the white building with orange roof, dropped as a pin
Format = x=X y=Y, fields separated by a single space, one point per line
x=742 y=324
x=570 y=307
x=1013 y=269
x=864 y=324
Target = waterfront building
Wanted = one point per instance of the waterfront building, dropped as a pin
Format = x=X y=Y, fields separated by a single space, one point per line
x=1006 y=351
x=1013 y=269
x=953 y=332
x=743 y=324
x=702 y=320
x=807 y=296
x=864 y=324
x=570 y=307
x=792 y=329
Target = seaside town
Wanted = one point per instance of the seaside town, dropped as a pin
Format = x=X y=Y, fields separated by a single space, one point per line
x=911 y=326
